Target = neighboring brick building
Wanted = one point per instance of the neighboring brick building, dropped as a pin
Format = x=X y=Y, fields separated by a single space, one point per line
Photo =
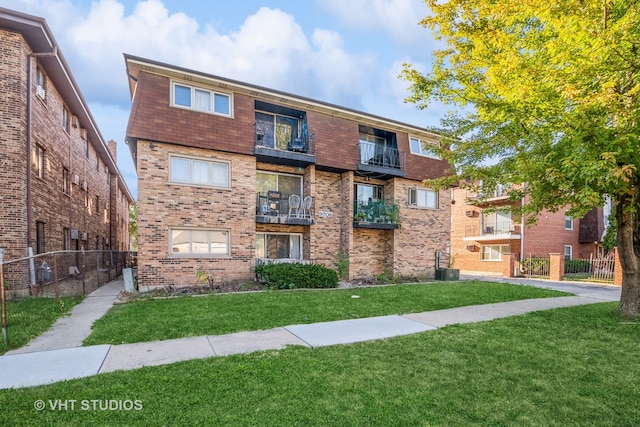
x=482 y=232
x=61 y=188
x=230 y=174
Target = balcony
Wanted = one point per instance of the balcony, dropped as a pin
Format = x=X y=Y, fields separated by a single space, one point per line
x=376 y=214
x=376 y=158
x=273 y=207
x=299 y=150
x=500 y=230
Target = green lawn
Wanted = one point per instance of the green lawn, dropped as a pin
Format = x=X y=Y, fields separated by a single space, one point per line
x=27 y=318
x=149 y=320
x=567 y=367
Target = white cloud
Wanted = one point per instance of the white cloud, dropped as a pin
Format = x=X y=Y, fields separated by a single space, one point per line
x=398 y=18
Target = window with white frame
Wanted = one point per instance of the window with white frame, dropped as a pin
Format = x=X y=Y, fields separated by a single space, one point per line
x=568 y=252
x=40 y=89
x=422 y=147
x=38 y=161
x=198 y=241
x=494 y=252
x=279 y=246
x=201 y=99
x=568 y=222
x=198 y=171
x=65 y=119
x=423 y=198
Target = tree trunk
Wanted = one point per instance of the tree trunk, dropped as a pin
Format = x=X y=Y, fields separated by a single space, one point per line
x=628 y=234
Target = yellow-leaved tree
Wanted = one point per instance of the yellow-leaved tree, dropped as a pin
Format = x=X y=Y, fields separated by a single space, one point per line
x=549 y=93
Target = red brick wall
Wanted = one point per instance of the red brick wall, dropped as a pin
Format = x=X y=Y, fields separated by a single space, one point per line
x=13 y=167
x=63 y=149
x=152 y=118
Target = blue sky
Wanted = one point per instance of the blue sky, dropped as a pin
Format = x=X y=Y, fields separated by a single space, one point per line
x=346 y=52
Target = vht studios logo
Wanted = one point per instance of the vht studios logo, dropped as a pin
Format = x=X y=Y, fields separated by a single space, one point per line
x=88 y=405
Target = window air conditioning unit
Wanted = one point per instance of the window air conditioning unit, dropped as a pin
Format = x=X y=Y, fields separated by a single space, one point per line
x=84 y=185
x=471 y=248
x=470 y=214
x=84 y=236
x=83 y=134
x=74 y=121
x=40 y=91
x=74 y=234
x=75 y=179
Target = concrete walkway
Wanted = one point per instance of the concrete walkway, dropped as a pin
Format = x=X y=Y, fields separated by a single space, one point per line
x=58 y=354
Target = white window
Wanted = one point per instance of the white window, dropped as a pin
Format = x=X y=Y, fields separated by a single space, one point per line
x=40 y=83
x=197 y=241
x=568 y=252
x=568 y=222
x=422 y=148
x=423 y=198
x=494 y=252
x=279 y=246
x=38 y=161
x=201 y=99
x=200 y=172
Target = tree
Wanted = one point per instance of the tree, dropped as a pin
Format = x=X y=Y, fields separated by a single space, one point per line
x=549 y=97
x=133 y=226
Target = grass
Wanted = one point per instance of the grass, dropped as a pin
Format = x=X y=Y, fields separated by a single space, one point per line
x=149 y=320
x=27 y=318
x=567 y=367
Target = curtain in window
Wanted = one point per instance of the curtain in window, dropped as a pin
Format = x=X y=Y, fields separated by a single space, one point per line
x=203 y=100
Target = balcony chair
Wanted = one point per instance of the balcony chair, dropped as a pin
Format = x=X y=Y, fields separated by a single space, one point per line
x=294 y=206
x=306 y=207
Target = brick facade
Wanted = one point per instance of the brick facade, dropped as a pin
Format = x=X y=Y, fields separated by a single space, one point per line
x=32 y=116
x=158 y=130
x=548 y=235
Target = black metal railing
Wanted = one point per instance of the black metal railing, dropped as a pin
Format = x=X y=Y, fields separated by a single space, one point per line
x=304 y=142
x=377 y=155
x=376 y=211
x=276 y=203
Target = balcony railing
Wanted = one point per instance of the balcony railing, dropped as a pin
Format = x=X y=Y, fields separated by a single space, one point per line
x=377 y=158
x=499 y=228
x=376 y=214
x=301 y=149
x=274 y=207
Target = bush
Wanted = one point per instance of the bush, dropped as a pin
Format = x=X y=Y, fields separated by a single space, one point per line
x=297 y=275
x=577 y=266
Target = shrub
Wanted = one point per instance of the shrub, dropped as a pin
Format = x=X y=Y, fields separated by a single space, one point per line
x=296 y=275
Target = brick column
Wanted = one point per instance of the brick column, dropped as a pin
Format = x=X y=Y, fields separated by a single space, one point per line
x=508 y=265
x=556 y=267
x=617 y=269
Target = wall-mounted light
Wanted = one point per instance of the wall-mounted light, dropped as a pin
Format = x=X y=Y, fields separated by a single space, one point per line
x=152 y=145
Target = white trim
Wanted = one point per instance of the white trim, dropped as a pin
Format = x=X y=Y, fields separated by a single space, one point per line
x=192 y=107
x=423 y=143
x=199 y=159
x=426 y=190
x=300 y=236
x=173 y=254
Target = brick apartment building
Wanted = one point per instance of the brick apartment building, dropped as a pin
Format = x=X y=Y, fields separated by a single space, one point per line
x=231 y=174
x=483 y=230
x=61 y=188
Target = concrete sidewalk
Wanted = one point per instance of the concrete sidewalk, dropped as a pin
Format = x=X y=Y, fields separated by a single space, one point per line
x=28 y=367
